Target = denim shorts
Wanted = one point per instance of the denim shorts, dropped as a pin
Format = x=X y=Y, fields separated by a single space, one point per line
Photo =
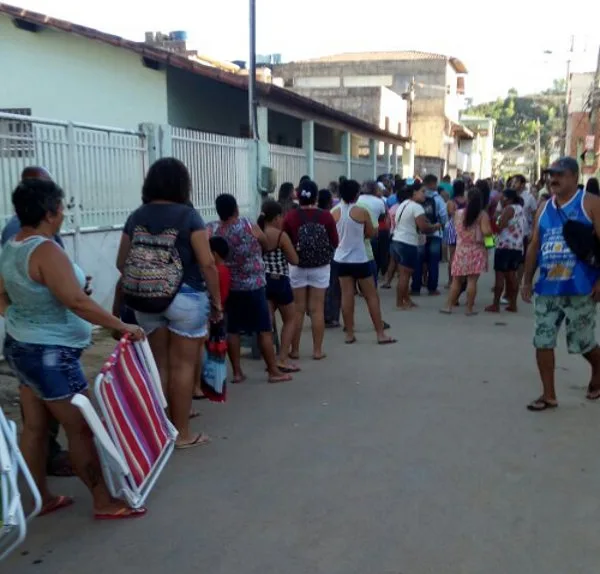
x=53 y=372
x=405 y=254
x=186 y=316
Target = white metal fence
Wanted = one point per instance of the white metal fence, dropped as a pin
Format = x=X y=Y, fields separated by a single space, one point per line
x=217 y=164
x=288 y=162
x=328 y=168
x=101 y=169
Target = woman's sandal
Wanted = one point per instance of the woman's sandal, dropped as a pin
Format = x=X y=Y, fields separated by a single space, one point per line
x=388 y=341
x=592 y=394
x=280 y=379
x=200 y=440
x=540 y=405
x=121 y=514
x=58 y=503
x=288 y=368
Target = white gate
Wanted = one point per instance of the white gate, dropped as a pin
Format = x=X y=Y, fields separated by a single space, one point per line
x=288 y=162
x=100 y=169
x=217 y=164
x=328 y=168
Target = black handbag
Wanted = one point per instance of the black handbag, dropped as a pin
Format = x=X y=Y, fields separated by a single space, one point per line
x=581 y=240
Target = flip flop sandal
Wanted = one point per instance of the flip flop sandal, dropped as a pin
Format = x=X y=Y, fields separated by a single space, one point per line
x=200 y=440
x=238 y=381
x=540 y=405
x=280 y=379
x=58 y=503
x=387 y=342
x=445 y=311
x=199 y=397
x=319 y=357
x=592 y=394
x=289 y=369
x=122 y=514
x=350 y=341
x=194 y=415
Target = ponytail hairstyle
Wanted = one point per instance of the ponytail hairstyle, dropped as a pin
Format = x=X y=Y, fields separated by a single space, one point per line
x=474 y=207
x=512 y=197
x=270 y=211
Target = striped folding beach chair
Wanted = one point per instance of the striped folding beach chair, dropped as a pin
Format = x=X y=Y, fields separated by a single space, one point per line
x=13 y=525
x=135 y=439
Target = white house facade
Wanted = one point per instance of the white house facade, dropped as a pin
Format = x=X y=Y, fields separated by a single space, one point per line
x=67 y=77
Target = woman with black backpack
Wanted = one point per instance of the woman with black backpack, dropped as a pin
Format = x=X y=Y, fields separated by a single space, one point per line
x=313 y=232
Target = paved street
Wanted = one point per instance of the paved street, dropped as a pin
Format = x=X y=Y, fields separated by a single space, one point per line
x=413 y=459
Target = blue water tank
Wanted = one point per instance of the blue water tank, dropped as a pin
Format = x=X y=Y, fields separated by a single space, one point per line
x=178 y=35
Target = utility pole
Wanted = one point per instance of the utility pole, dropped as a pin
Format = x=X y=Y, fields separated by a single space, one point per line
x=567 y=93
x=252 y=74
x=538 y=151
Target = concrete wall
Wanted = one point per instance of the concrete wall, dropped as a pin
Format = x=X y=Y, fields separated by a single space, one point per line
x=363 y=103
x=425 y=165
x=428 y=133
x=62 y=76
x=430 y=107
x=202 y=104
x=580 y=88
x=285 y=130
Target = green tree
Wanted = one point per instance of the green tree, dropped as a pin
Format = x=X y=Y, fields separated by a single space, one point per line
x=516 y=117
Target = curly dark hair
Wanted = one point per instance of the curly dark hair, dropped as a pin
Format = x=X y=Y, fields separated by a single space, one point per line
x=167 y=180
x=34 y=199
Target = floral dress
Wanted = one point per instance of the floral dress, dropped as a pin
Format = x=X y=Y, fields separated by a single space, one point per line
x=471 y=256
x=245 y=260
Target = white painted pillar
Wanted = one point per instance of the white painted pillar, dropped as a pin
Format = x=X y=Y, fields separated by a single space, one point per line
x=308 y=144
x=388 y=158
x=395 y=158
x=259 y=157
x=347 y=153
x=408 y=160
x=373 y=157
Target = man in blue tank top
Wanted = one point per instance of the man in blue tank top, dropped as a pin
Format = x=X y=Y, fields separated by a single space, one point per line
x=567 y=289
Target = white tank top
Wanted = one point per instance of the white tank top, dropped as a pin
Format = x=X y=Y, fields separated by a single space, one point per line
x=351 y=248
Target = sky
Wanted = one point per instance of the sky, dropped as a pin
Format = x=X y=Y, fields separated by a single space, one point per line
x=501 y=47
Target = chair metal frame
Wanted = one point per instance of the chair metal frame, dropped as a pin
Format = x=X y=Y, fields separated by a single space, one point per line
x=13 y=528
x=118 y=474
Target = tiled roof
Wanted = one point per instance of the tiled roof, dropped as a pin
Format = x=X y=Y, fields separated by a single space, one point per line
x=390 y=56
x=265 y=92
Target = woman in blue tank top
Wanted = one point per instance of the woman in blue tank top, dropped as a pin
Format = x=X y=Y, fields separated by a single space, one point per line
x=567 y=288
x=48 y=321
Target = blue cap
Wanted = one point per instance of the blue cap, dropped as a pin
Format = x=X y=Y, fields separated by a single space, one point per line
x=564 y=164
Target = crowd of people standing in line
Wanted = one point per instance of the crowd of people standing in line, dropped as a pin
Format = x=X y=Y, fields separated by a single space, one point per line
x=310 y=253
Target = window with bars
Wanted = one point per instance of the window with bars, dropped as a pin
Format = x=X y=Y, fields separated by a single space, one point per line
x=16 y=134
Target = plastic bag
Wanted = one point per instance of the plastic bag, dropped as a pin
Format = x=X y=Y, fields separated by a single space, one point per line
x=213 y=381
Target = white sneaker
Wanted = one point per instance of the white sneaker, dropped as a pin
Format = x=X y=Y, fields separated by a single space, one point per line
x=504 y=301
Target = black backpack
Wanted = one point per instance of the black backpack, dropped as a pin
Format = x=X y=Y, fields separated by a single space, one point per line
x=314 y=247
x=430 y=208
